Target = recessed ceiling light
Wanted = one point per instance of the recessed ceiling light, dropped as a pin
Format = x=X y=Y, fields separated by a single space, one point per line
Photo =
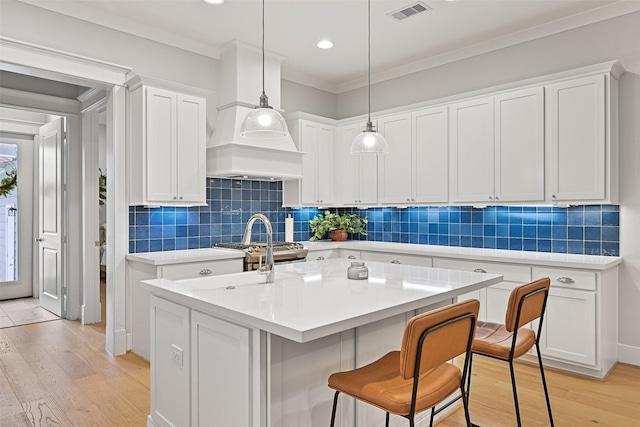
x=216 y=2
x=325 y=44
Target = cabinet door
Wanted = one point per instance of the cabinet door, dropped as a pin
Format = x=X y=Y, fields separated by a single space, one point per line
x=430 y=160
x=575 y=117
x=309 y=144
x=325 y=166
x=160 y=142
x=190 y=151
x=394 y=182
x=569 y=327
x=222 y=383
x=472 y=157
x=367 y=179
x=350 y=165
x=170 y=363
x=519 y=146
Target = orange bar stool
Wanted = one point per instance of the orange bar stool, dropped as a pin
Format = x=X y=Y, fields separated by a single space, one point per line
x=513 y=339
x=419 y=376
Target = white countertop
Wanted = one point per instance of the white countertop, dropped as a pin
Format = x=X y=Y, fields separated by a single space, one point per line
x=315 y=299
x=187 y=255
x=593 y=262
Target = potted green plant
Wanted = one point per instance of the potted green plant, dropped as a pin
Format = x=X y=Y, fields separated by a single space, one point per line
x=337 y=225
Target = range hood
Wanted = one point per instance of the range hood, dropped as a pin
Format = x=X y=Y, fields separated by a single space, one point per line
x=240 y=84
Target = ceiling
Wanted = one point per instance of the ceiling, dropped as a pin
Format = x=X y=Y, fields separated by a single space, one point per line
x=449 y=31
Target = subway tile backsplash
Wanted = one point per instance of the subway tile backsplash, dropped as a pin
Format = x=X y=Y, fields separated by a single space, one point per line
x=592 y=230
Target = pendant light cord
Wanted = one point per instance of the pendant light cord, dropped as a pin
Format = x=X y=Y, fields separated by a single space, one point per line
x=369 y=48
x=263 y=47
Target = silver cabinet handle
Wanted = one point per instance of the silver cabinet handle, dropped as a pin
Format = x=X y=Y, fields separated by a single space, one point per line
x=479 y=270
x=40 y=239
x=351 y=257
x=395 y=261
x=565 y=279
x=205 y=272
x=320 y=258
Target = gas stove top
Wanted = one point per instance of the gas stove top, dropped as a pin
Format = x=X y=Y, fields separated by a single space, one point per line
x=254 y=247
x=256 y=252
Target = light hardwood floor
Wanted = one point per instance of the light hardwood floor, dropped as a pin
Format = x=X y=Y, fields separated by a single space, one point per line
x=58 y=374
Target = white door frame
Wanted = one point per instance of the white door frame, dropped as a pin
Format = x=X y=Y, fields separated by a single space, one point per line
x=26 y=58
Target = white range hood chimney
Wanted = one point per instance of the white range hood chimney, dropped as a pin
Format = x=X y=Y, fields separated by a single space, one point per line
x=239 y=88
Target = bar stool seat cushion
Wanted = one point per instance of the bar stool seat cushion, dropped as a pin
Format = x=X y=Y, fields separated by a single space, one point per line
x=493 y=339
x=381 y=384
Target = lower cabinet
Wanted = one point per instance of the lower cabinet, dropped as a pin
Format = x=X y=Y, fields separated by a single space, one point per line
x=202 y=369
x=397 y=258
x=170 y=362
x=579 y=331
x=138 y=271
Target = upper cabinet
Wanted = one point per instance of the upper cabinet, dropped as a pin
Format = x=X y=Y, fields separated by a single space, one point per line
x=316 y=141
x=416 y=168
x=581 y=140
x=497 y=148
x=358 y=174
x=167 y=161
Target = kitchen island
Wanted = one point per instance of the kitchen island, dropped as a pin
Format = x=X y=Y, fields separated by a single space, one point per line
x=232 y=350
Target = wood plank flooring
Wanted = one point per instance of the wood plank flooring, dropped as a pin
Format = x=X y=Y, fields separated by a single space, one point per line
x=58 y=374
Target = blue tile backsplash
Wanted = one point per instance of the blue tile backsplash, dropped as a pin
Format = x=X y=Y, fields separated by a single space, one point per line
x=593 y=230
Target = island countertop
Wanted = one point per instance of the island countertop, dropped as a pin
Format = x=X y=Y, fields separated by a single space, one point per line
x=315 y=299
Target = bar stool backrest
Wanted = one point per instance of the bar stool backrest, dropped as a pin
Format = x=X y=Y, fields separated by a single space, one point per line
x=442 y=343
x=532 y=306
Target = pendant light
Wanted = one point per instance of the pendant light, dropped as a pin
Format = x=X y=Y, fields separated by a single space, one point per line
x=369 y=141
x=264 y=122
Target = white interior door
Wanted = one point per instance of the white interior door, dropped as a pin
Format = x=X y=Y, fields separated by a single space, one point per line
x=50 y=219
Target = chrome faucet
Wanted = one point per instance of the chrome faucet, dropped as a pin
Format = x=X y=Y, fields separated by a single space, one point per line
x=267 y=268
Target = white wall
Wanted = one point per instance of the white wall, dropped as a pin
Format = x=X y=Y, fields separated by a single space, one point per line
x=617 y=38
x=629 y=291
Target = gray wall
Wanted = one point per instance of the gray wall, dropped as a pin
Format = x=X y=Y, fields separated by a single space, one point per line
x=617 y=38
x=297 y=97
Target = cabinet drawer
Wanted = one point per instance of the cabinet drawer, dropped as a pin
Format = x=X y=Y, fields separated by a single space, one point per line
x=398 y=259
x=321 y=255
x=510 y=272
x=190 y=270
x=570 y=279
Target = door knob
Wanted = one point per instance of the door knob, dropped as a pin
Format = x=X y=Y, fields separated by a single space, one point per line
x=40 y=239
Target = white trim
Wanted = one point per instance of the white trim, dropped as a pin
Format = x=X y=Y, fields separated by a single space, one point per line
x=16 y=56
x=40 y=61
x=629 y=354
x=39 y=102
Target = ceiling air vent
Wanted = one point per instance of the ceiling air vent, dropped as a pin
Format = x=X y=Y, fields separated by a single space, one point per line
x=408 y=11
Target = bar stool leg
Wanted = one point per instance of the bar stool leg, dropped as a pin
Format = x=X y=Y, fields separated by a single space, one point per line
x=544 y=384
x=387 y=420
x=335 y=404
x=515 y=393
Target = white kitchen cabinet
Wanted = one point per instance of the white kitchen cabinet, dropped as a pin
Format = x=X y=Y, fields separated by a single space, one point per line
x=138 y=271
x=357 y=174
x=321 y=255
x=396 y=258
x=416 y=168
x=167 y=160
x=493 y=299
x=519 y=146
x=222 y=358
x=472 y=157
x=581 y=127
x=316 y=187
x=579 y=324
x=497 y=148
x=170 y=377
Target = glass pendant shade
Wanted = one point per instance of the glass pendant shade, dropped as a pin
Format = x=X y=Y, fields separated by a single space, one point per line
x=369 y=142
x=264 y=123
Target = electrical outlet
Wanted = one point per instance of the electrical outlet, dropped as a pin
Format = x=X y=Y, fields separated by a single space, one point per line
x=177 y=354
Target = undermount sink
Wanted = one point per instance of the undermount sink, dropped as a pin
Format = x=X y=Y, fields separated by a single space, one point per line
x=233 y=281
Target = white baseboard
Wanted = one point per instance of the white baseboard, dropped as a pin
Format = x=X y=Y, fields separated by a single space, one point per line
x=120 y=342
x=629 y=354
x=129 y=341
